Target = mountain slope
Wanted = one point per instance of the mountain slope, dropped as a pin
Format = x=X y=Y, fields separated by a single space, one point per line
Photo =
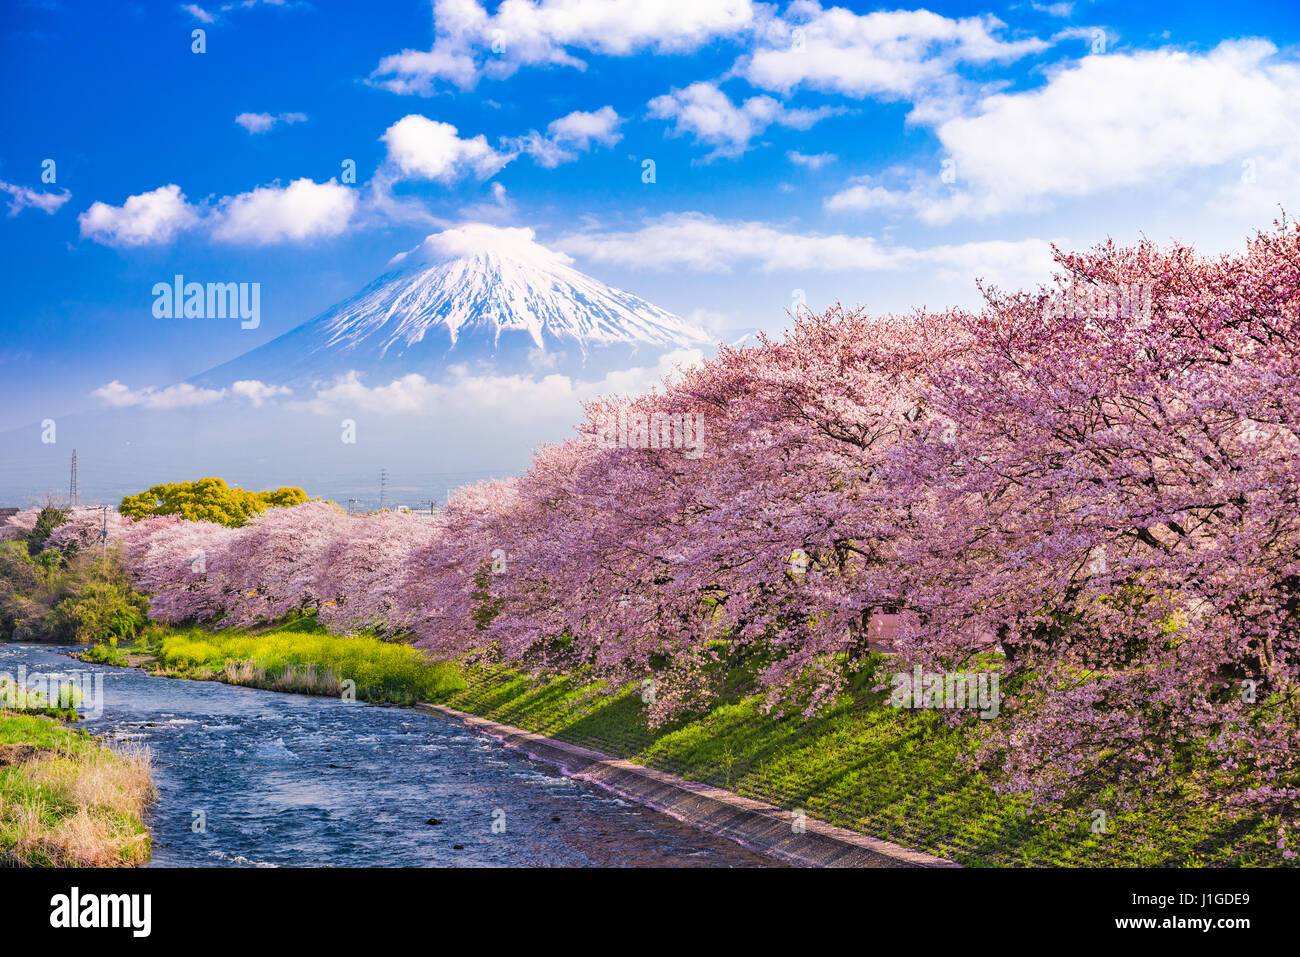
x=483 y=296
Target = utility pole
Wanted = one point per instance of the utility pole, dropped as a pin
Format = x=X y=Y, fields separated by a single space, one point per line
x=352 y=502
x=383 y=488
x=103 y=532
x=72 y=483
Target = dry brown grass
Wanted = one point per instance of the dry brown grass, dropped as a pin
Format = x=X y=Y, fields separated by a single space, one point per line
x=118 y=781
x=82 y=839
x=309 y=678
x=76 y=808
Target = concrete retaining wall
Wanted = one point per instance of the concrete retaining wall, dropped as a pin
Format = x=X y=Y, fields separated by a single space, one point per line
x=754 y=824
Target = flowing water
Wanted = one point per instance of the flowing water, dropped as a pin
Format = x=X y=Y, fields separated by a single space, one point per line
x=259 y=778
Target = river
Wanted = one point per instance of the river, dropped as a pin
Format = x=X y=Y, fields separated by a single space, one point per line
x=257 y=778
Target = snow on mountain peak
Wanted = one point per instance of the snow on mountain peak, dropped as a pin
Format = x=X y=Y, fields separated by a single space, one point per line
x=479 y=294
x=486 y=281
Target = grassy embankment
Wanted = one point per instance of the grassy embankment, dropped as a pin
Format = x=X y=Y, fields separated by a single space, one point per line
x=65 y=799
x=297 y=655
x=899 y=775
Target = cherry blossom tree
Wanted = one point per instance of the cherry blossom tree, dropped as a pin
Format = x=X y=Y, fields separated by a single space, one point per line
x=1092 y=487
x=85 y=528
x=443 y=593
x=1117 y=502
x=270 y=566
x=358 y=574
x=179 y=564
x=19 y=525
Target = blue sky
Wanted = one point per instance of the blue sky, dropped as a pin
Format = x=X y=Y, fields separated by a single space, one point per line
x=885 y=156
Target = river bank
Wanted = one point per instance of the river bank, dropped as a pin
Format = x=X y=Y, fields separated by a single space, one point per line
x=900 y=776
x=251 y=778
x=297 y=656
x=790 y=836
x=66 y=800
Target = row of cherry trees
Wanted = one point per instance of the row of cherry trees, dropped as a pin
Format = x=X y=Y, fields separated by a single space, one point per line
x=1109 y=494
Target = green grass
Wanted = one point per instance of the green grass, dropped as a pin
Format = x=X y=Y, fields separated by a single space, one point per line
x=105 y=653
x=66 y=800
x=44 y=734
x=900 y=775
x=301 y=656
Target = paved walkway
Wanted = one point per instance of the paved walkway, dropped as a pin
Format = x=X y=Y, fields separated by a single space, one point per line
x=759 y=826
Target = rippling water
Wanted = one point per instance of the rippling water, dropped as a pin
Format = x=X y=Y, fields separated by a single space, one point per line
x=292 y=780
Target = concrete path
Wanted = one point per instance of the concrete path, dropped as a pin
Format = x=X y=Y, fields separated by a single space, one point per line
x=754 y=824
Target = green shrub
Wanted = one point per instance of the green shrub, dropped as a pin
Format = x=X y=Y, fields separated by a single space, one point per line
x=47 y=520
x=78 y=598
x=299 y=656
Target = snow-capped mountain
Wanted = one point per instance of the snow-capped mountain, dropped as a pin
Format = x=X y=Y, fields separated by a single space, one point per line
x=486 y=297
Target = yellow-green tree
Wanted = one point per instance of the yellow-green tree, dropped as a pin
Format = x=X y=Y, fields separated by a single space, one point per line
x=208 y=499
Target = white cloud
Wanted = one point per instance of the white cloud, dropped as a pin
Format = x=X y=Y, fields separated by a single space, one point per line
x=422 y=148
x=865 y=195
x=469 y=42
x=469 y=239
x=887 y=54
x=698 y=242
x=262 y=122
x=180 y=396
x=303 y=210
x=146 y=219
x=711 y=320
x=258 y=393
x=1022 y=263
x=23 y=197
x=545 y=152
x=708 y=114
x=1119 y=120
x=814 y=161
x=417 y=71
x=516 y=397
x=206 y=16
x=183 y=395
x=580 y=128
x=570 y=135
x=198 y=13
x=255 y=122
x=497 y=209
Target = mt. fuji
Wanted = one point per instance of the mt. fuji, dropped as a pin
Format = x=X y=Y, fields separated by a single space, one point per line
x=477 y=296
x=474 y=348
